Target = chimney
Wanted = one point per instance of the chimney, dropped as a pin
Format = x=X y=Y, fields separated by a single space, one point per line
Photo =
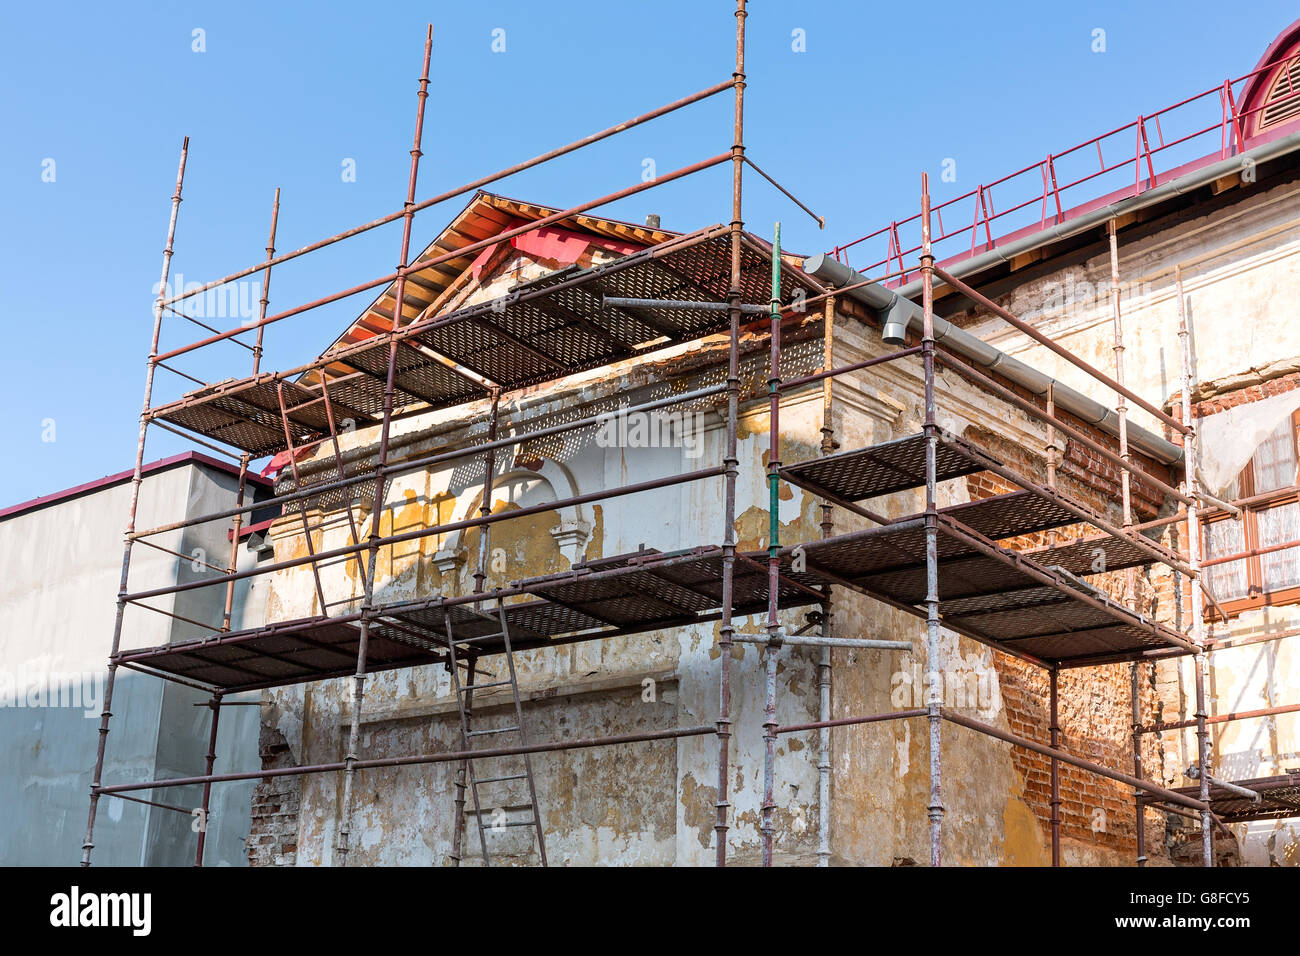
x=652 y=221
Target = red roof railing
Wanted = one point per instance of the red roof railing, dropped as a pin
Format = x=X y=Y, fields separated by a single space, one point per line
x=1129 y=159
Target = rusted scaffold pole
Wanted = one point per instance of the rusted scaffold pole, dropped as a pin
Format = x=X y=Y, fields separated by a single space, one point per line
x=214 y=706
x=1054 y=736
x=1135 y=698
x=136 y=479
x=1126 y=501
x=376 y=512
x=471 y=660
x=773 y=550
x=485 y=506
x=235 y=527
x=730 y=460
x=935 y=691
x=824 y=663
x=1053 y=673
x=1191 y=460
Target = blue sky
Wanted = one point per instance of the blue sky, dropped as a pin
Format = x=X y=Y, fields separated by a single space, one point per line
x=283 y=95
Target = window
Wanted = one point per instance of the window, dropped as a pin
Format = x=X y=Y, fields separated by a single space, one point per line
x=1271 y=518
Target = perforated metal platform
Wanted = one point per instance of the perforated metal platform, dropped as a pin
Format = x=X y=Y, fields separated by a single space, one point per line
x=541 y=331
x=620 y=595
x=1035 y=602
x=1280 y=798
x=885 y=468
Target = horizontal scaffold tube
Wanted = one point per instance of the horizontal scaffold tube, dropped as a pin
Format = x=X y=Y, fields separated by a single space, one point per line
x=866 y=644
x=850 y=721
x=421 y=264
x=461 y=190
x=435 y=529
x=1142 y=785
x=426 y=461
x=579 y=743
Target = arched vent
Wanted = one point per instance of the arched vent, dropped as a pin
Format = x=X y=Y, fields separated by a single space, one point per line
x=1282 y=104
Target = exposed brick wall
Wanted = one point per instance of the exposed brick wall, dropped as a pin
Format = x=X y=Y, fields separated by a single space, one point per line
x=273 y=836
x=1095 y=715
x=1096 y=724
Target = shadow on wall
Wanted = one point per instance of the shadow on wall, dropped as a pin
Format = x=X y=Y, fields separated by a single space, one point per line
x=49 y=729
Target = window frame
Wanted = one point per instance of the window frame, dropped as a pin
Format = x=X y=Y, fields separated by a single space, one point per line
x=1258 y=595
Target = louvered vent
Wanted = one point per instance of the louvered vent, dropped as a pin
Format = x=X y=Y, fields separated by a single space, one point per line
x=1283 y=102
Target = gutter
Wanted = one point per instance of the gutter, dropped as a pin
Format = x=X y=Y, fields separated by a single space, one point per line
x=899 y=314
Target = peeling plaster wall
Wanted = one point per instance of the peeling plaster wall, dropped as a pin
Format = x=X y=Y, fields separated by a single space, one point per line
x=1241 y=280
x=605 y=805
x=881 y=771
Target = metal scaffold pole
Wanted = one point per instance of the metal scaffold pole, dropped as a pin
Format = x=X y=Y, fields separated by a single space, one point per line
x=773 y=551
x=136 y=480
x=1191 y=459
x=372 y=560
x=1054 y=736
x=214 y=705
x=824 y=672
x=730 y=459
x=933 y=649
x=1139 y=824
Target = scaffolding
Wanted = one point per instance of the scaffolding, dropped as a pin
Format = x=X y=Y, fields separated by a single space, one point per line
x=951 y=566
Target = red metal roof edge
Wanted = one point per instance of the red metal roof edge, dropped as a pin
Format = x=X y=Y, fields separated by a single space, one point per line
x=251 y=529
x=1112 y=197
x=162 y=464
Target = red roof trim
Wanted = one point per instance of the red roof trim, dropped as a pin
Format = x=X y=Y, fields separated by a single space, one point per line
x=163 y=464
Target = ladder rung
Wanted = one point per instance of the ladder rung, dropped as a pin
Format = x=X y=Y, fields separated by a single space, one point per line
x=511 y=776
x=489 y=827
x=492 y=730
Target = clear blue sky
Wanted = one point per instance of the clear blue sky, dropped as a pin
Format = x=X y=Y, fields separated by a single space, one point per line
x=284 y=93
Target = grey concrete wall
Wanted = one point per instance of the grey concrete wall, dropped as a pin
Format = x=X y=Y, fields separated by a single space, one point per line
x=59 y=572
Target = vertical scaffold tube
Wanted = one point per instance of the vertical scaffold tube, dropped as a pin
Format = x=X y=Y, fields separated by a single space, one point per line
x=933 y=649
x=106 y=714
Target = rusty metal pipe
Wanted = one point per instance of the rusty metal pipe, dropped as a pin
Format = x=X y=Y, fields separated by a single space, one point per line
x=1222 y=718
x=1054 y=737
x=420 y=264
x=852 y=721
x=773 y=550
x=359 y=680
x=984 y=381
x=440 y=529
x=209 y=762
x=1193 y=560
x=88 y=843
x=793 y=383
x=578 y=743
x=1060 y=350
x=731 y=461
x=933 y=644
x=467 y=187
x=820 y=220
x=1135 y=706
x=1096 y=768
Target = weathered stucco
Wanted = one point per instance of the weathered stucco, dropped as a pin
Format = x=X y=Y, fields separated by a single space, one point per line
x=653 y=803
x=1241 y=282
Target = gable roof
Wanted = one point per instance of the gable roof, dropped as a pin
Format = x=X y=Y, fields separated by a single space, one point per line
x=484 y=216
